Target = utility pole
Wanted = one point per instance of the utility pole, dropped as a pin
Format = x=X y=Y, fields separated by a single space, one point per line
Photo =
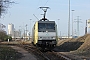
x=69 y=21
x=58 y=26
x=72 y=22
x=14 y=36
x=20 y=31
x=60 y=35
x=24 y=34
x=86 y=28
x=29 y=35
x=78 y=25
x=30 y=26
x=26 y=31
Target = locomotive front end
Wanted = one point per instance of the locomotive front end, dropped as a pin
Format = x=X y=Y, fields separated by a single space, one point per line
x=47 y=34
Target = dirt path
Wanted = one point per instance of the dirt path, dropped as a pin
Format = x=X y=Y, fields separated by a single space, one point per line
x=26 y=55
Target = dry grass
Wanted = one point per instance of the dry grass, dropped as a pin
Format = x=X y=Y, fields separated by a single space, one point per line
x=7 y=53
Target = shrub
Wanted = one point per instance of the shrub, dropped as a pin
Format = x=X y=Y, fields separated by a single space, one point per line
x=7 y=37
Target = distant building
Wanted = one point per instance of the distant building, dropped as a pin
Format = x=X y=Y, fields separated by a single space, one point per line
x=11 y=29
x=17 y=34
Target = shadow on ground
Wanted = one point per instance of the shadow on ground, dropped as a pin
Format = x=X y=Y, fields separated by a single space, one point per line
x=68 y=46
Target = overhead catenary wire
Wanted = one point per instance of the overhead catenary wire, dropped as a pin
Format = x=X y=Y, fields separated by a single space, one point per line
x=46 y=2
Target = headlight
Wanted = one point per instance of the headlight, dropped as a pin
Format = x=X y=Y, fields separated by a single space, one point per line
x=40 y=38
x=53 y=37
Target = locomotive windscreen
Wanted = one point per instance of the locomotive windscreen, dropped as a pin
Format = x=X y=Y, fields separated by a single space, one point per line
x=43 y=27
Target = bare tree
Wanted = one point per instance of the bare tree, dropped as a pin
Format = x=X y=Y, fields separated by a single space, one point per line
x=2 y=35
x=4 y=4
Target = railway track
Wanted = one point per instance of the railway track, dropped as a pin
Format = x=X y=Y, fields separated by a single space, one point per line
x=49 y=55
x=32 y=49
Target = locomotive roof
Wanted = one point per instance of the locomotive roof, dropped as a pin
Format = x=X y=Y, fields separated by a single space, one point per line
x=46 y=21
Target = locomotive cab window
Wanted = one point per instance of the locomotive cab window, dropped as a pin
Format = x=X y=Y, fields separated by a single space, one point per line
x=50 y=27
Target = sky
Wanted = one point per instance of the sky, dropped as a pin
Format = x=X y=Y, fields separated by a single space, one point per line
x=20 y=14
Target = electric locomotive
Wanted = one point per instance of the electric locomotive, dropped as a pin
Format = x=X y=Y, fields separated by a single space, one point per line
x=44 y=33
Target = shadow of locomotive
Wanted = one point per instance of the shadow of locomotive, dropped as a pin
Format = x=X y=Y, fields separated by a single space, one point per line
x=68 y=46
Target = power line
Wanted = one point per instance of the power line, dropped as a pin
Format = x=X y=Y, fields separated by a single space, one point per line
x=46 y=2
x=35 y=16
